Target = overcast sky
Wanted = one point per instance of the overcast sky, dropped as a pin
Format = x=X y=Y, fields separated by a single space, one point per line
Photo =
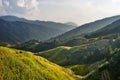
x=78 y=11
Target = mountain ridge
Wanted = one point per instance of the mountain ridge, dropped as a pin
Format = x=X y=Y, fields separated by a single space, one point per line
x=12 y=27
x=113 y=28
x=88 y=28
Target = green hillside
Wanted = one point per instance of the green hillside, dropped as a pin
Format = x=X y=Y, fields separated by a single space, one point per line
x=83 y=54
x=80 y=69
x=22 y=65
x=37 y=46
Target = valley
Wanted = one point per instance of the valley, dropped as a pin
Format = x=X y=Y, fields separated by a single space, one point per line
x=85 y=54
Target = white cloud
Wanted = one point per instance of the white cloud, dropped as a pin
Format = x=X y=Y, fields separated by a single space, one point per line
x=0 y=4
x=23 y=8
x=21 y=3
x=80 y=11
x=116 y=1
x=34 y=2
x=6 y=3
x=33 y=8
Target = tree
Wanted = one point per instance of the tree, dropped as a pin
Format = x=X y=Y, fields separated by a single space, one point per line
x=115 y=63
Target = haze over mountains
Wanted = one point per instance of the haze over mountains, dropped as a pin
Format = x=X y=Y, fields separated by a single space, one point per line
x=15 y=30
x=89 y=52
x=88 y=28
x=113 y=28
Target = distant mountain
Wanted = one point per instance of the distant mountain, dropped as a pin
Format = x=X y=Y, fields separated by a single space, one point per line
x=54 y=25
x=12 y=18
x=88 y=28
x=113 y=28
x=15 y=30
x=71 y=23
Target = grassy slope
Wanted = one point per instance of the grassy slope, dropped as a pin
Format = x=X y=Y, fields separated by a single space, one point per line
x=79 y=69
x=77 y=54
x=21 y=65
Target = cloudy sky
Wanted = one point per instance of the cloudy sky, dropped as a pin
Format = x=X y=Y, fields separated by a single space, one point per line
x=79 y=11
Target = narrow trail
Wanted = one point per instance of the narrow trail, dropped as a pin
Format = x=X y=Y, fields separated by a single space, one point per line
x=97 y=66
x=78 y=76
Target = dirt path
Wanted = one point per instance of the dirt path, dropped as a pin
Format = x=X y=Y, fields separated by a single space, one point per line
x=97 y=66
x=78 y=76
